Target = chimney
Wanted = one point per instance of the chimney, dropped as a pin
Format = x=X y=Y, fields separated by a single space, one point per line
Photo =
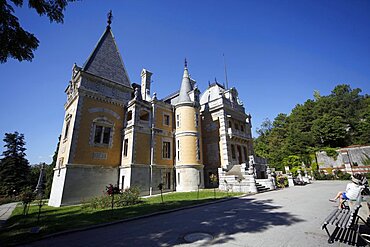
x=145 y=84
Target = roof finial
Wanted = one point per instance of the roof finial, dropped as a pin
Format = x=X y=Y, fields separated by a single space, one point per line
x=186 y=63
x=110 y=17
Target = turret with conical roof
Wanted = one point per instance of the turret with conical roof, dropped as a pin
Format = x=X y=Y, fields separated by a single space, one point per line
x=189 y=165
x=94 y=113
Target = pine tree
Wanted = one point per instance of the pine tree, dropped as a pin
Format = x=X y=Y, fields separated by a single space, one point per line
x=14 y=167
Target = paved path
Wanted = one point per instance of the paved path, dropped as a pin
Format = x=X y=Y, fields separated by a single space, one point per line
x=5 y=211
x=289 y=217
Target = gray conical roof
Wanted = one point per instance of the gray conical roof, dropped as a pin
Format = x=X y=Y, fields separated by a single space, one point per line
x=185 y=87
x=106 y=62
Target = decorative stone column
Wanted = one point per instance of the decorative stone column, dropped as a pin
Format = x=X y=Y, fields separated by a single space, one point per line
x=250 y=176
x=290 y=179
x=270 y=178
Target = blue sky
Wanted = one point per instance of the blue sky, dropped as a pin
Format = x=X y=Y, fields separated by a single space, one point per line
x=277 y=54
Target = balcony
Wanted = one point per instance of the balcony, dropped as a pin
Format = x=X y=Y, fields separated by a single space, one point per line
x=233 y=133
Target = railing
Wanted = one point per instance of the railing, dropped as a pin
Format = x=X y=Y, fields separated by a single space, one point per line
x=237 y=133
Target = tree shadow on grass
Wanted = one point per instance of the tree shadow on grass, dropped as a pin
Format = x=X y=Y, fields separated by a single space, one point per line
x=221 y=220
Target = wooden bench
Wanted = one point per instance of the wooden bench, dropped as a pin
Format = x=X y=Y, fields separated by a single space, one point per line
x=346 y=225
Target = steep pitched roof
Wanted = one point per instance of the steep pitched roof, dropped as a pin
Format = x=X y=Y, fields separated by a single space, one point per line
x=105 y=61
x=185 y=87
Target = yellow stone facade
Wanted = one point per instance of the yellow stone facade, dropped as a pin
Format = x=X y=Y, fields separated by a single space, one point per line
x=117 y=132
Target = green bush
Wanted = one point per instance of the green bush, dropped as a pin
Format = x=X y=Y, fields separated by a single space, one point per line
x=127 y=197
x=7 y=199
x=99 y=202
x=130 y=196
x=281 y=181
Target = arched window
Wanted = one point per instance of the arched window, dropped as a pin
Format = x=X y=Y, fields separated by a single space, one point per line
x=102 y=132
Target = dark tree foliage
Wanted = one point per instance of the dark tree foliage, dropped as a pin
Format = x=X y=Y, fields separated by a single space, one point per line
x=337 y=120
x=49 y=171
x=15 y=41
x=14 y=168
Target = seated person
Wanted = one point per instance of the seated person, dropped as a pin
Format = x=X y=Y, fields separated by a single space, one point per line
x=352 y=190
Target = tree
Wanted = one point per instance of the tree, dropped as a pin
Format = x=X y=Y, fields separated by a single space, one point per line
x=336 y=120
x=330 y=131
x=14 y=168
x=15 y=41
x=49 y=171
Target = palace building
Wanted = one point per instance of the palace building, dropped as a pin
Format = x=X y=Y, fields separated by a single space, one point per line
x=118 y=132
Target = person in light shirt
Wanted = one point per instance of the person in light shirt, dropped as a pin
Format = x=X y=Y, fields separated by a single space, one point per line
x=353 y=190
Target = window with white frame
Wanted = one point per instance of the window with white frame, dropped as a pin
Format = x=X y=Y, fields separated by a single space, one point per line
x=178 y=150
x=68 y=123
x=178 y=120
x=102 y=132
x=166 y=150
x=66 y=129
x=125 y=147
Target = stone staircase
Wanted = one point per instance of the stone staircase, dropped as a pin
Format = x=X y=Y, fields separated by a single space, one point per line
x=261 y=188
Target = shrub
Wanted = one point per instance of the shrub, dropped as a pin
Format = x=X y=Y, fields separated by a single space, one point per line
x=100 y=202
x=281 y=181
x=130 y=196
x=27 y=196
x=7 y=199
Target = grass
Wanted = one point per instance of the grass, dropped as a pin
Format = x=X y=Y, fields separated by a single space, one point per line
x=53 y=220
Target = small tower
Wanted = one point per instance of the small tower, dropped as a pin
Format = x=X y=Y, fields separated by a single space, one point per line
x=189 y=160
x=91 y=143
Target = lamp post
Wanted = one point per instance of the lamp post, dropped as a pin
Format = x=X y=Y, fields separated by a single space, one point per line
x=39 y=190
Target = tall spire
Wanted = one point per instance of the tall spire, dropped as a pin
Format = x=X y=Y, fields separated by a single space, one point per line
x=105 y=61
x=110 y=17
x=185 y=86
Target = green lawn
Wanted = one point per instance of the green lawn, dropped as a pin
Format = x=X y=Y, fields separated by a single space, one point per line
x=17 y=228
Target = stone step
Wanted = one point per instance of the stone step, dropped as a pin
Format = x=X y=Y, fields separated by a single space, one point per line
x=261 y=188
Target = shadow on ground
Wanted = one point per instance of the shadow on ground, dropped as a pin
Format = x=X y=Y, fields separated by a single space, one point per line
x=221 y=220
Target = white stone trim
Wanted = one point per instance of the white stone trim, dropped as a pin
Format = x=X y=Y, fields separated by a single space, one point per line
x=104 y=110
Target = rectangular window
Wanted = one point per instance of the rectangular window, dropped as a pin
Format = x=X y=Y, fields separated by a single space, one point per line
x=233 y=151
x=166 y=120
x=178 y=120
x=237 y=126
x=178 y=149
x=178 y=178
x=242 y=128
x=198 y=149
x=106 y=135
x=168 y=180
x=125 y=147
x=67 y=128
x=123 y=182
x=102 y=134
x=98 y=133
x=166 y=150
x=196 y=119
